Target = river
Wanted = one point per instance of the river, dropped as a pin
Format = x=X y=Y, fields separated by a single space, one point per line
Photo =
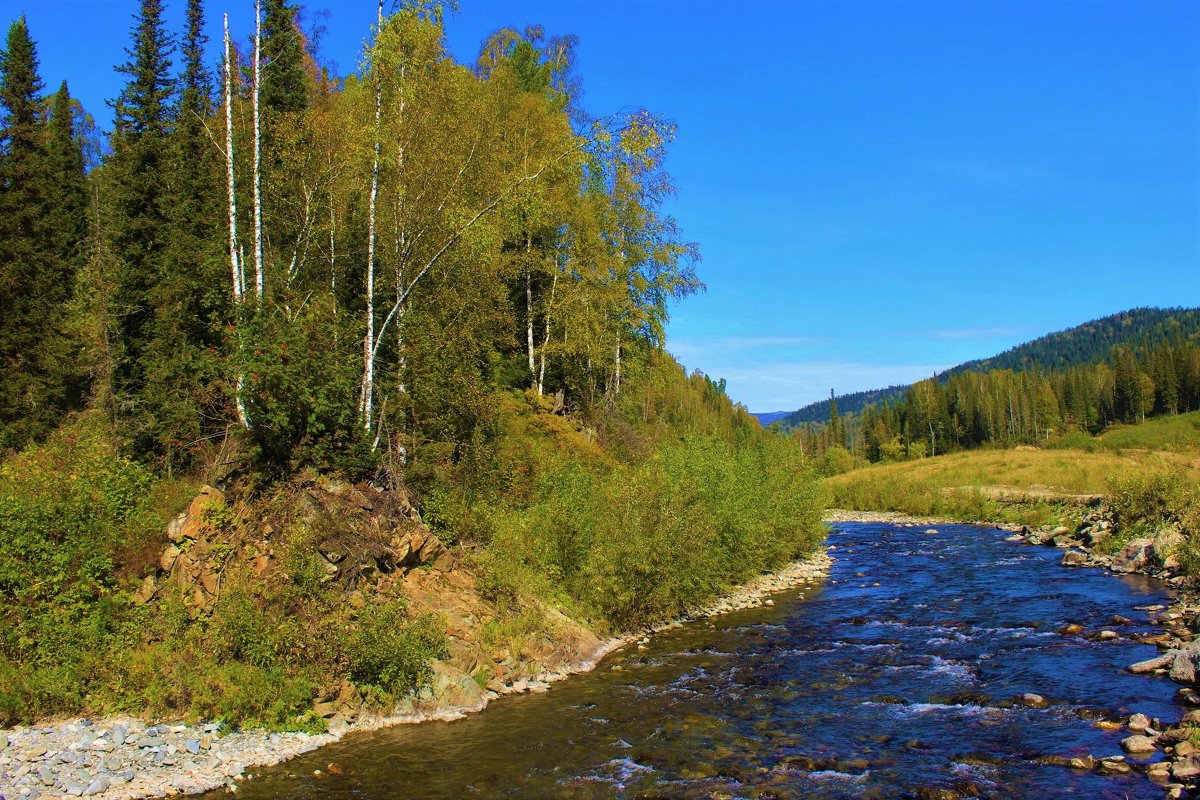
x=893 y=679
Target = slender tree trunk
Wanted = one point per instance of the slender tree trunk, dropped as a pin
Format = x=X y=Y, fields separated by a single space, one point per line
x=368 y=382
x=332 y=253
x=541 y=381
x=258 y=237
x=617 y=368
x=235 y=262
x=529 y=306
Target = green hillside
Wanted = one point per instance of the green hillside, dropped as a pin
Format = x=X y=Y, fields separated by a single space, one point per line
x=1088 y=343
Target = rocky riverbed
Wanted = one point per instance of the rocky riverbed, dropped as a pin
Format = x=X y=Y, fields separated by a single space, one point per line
x=1168 y=752
x=119 y=757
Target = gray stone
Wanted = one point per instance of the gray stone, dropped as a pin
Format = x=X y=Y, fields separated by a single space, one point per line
x=193 y=746
x=1186 y=769
x=37 y=751
x=1183 y=668
x=1133 y=556
x=1074 y=558
x=118 y=734
x=1138 y=743
x=46 y=774
x=1138 y=723
x=96 y=787
x=151 y=741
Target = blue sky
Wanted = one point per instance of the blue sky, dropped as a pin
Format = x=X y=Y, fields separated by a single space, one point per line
x=879 y=189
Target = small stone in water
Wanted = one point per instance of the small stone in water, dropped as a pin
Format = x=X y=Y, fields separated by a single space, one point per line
x=1138 y=744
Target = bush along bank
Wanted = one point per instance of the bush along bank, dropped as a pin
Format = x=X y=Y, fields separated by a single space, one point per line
x=1147 y=525
x=398 y=627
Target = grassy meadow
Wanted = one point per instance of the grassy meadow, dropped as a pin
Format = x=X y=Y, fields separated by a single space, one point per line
x=1027 y=485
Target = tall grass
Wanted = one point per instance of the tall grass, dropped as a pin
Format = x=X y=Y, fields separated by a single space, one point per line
x=632 y=544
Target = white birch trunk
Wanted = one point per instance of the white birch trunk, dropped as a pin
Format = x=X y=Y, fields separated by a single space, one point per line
x=235 y=262
x=529 y=306
x=541 y=381
x=617 y=368
x=258 y=237
x=369 y=344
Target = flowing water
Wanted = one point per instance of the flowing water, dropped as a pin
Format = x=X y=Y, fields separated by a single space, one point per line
x=894 y=675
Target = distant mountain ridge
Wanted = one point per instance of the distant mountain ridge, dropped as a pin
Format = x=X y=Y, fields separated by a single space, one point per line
x=1083 y=344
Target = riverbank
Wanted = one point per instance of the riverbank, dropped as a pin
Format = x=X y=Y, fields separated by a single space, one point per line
x=121 y=758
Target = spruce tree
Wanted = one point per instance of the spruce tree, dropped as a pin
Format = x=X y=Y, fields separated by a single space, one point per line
x=285 y=79
x=182 y=390
x=22 y=257
x=140 y=174
x=42 y=213
x=67 y=197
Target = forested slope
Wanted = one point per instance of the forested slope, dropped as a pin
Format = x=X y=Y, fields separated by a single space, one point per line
x=1089 y=343
x=424 y=298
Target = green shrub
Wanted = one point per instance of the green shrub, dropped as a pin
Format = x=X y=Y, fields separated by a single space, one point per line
x=634 y=544
x=392 y=653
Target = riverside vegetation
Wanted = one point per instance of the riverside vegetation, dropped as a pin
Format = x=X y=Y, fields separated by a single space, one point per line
x=320 y=389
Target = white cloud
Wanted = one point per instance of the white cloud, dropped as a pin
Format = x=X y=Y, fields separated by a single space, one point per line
x=788 y=385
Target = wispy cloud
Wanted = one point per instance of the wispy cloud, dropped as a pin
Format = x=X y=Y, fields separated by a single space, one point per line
x=687 y=348
x=991 y=173
x=982 y=332
x=788 y=385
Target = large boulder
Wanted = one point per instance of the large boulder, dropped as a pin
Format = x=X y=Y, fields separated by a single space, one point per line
x=1163 y=550
x=1134 y=556
x=1186 y=663
x=1075 y=558
x=192 y=524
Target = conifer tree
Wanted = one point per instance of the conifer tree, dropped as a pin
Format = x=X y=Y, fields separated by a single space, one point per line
x=67 y=196
x=183 y=388
x=23 y=263
x=138 y=208
x=285 y=79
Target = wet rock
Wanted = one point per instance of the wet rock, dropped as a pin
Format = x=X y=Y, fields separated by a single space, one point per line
x=1032 y=700
x=1133 y=556
x=1159 y=772
x=1138 y=743
x=1106 y=636
x=1184 y=663
x=1151 y=664
x=1138 y=723
x=1113 y=765
x=1186 y=769
x=1071 y=629
x=1075 y=558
